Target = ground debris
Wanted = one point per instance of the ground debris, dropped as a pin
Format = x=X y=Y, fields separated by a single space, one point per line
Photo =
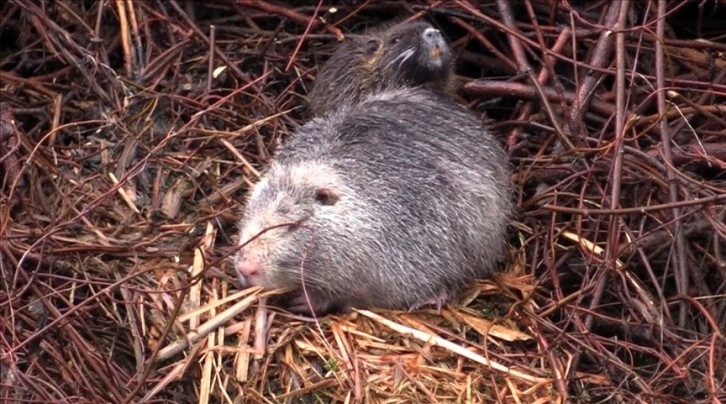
x=130 y=132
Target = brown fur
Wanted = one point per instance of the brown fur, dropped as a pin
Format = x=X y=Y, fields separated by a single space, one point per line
x=385 y=58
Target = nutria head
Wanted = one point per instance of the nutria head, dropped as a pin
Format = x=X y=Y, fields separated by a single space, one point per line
x=403 y=55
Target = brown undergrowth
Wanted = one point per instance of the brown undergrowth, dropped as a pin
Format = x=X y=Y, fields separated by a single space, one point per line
x=130 y=132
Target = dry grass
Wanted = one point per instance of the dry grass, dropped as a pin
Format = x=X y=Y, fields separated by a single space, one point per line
x=130 y=132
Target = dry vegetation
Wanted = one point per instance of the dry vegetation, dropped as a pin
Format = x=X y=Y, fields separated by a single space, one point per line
x=130 y=132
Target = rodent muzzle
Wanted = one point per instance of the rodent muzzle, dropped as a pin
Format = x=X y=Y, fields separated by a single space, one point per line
x=249 y=268
x=433 y=39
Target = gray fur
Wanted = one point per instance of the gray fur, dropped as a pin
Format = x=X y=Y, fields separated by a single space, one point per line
x=403 y=59
x=424 y=202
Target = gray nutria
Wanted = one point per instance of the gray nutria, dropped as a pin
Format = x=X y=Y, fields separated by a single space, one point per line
x=396 y=202
x=409 y=54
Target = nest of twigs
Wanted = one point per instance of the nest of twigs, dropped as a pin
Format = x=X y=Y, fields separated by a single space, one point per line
x=131 y=131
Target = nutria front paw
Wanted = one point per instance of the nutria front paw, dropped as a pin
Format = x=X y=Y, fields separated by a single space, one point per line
x=438 y=301
x=311 y=304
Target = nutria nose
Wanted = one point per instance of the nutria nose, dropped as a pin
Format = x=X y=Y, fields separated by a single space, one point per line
x=431 y=34
x=248 y=266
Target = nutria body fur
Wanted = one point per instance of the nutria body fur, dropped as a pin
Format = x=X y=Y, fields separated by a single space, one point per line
x=409 y=54
x=397 y=202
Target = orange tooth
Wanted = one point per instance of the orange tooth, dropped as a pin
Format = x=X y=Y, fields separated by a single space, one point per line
x=436 y=52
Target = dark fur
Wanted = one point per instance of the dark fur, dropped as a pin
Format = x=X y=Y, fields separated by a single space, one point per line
x=415 y=203
x=353 y=72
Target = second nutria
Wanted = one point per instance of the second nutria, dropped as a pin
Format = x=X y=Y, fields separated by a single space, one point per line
x=409 y=54
x=396 y=202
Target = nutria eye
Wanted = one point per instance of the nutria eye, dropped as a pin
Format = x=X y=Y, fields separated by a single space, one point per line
x=325 y=196
x=372 y=46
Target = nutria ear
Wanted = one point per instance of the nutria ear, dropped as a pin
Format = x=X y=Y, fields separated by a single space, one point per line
x=326 y=196
x=372 y=46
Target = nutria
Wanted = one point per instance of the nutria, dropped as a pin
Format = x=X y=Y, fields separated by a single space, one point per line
x=408 y=54
x=396 y=202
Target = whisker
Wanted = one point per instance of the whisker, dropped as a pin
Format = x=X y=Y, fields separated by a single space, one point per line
x=403 y=57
